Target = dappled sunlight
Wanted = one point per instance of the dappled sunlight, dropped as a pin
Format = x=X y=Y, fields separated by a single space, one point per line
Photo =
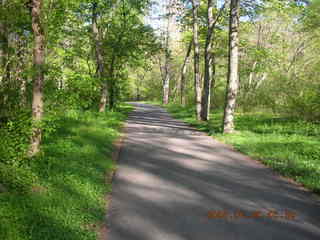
x=288 y=145
x=168 y=183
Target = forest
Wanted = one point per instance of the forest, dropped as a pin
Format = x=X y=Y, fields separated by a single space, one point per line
x=245 y=72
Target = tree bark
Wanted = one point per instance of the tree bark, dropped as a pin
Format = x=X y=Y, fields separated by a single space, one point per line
x=4 y=55
x=38 y=78
x=4 y=52
x=166 y=85
x=112 y=85
x=183 y=75
x=161 y=68
x=166 y=79
x=99 y=59
x=197 y=79
x=208 y=63
x=139 y=82
x=21 y=79
x=233 y=73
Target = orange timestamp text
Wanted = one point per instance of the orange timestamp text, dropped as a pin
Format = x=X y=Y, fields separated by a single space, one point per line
x=239 y=214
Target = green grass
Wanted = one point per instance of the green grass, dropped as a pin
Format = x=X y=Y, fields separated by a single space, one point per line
x=290 y=146
x=68 y=182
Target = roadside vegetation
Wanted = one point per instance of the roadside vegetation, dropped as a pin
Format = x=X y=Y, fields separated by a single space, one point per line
x=60 y=194
x=245 y=71
x=288 y=145
x=64 y=75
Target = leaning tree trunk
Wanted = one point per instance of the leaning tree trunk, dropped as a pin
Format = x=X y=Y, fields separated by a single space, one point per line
x=197 y=79
x=166 y=77
x=166 y=83
x=99 y=59
x=183 y=75
x=208 y=63
x=233 y=73
x=38 y=78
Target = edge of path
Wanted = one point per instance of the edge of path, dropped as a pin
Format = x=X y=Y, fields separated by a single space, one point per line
x=117 y=146
x=247 y=157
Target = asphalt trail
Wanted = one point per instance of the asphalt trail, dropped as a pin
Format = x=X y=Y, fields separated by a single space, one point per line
x=170 y=177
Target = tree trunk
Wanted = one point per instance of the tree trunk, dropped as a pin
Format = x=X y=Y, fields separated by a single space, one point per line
x=38 y=78
x=166 y=79
x=139 y=82
x=197 y=79
x=166 y=85
x=104 y=97
x=21 y=46
x=4 y=52
x=233 y=73
x=99 y=59
x=23 y=92
x=208 y=63
x=4 y=55
x=112 y=83
x=183 y=75
x=251 y=75
x=161 y=68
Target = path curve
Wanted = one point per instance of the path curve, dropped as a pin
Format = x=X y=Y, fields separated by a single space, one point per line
x=171 y=176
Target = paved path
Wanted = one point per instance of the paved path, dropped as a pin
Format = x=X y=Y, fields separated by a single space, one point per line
x=169 y=177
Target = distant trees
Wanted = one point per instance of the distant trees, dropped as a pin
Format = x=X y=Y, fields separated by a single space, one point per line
x=274 y=70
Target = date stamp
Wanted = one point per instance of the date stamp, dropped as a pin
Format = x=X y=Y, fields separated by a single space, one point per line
x=239 y=214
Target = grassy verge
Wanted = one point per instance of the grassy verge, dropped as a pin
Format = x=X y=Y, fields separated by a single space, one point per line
x=66 y=200
x=290 y=146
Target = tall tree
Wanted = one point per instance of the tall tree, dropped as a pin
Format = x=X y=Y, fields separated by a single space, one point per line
x=183 y=75
x=38 y=77
x=197 y=79
x=208 y=62
x=233 y=71
x=4 y=51
x=97 y=38
x=166 y=77
x=209 y=57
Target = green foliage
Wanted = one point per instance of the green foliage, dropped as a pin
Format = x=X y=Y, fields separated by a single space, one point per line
x=306 y=104
x=16 y=179
x=61 y=194
x=312 y=16
x=76 y=139
x=82 y=92
x=14 y=139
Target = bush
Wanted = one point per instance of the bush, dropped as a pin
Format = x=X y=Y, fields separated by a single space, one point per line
x=16 y=179
x=14 y=139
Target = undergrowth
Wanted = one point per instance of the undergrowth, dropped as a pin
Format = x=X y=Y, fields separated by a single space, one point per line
x=60 y=193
